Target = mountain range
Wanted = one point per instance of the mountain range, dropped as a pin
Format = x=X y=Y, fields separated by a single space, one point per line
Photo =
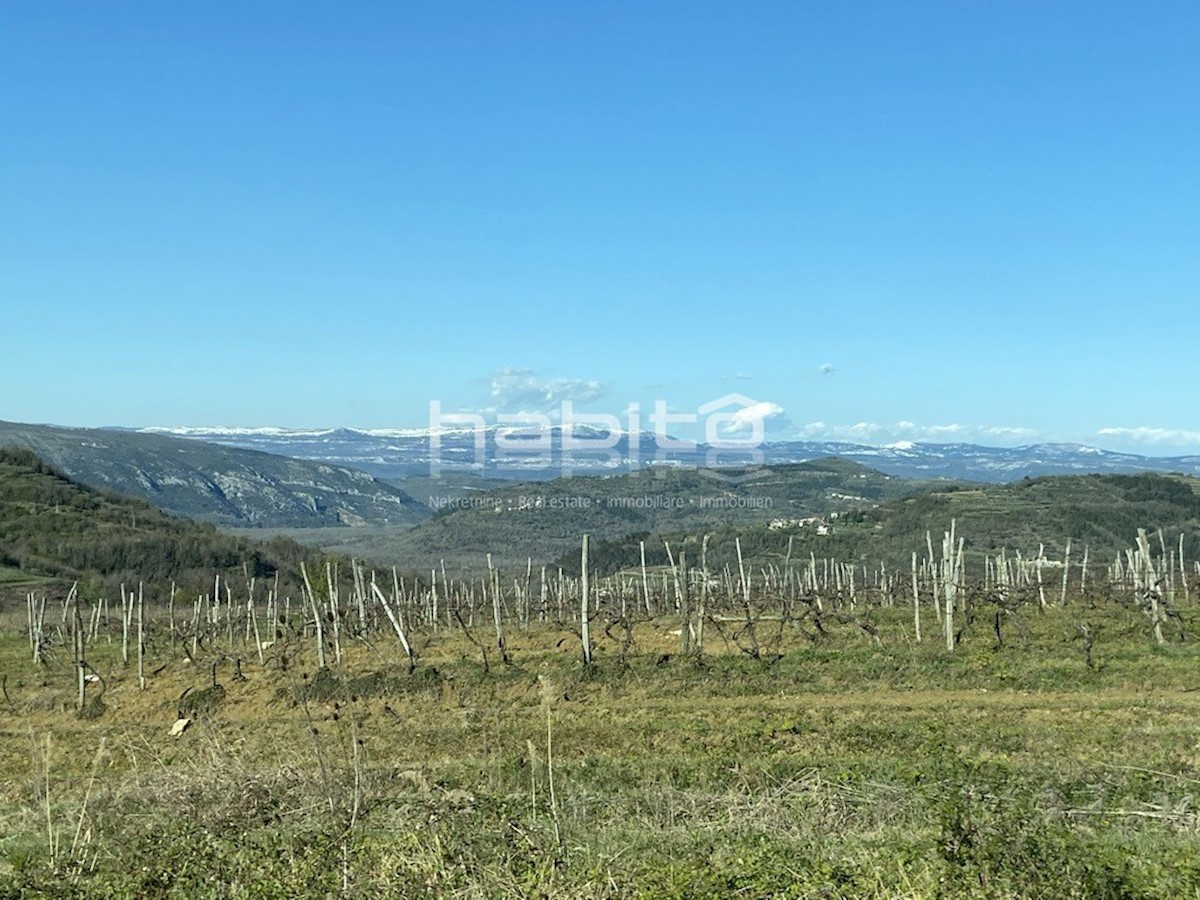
x=522 y=454
x=868 y=502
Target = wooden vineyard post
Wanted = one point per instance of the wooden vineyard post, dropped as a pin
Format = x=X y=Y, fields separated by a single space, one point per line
x=1041 y=558
x=1066 y=574
x=200 y=600
x=1148 y=580
x=750 y=626
x=258 y=641
x=787 y=565
x=525 y=599
x=447 y=595
x=951 y=569
x=360 y=597
x=685 y=607
x=543 y=611
x=742 y=575
x=674 y=573
x=126 y=613
x=584 y=608
x=701 y=612
x=933 y=575
x=397 y=626
x=645 y=581
x=171 y=617
x=80 y=662
x=334 y=603
x=316 y=615
x=916 y=599
x=433 y=598
x=33 y=635
x=141 y=640
x=37 y=625
x=1183 y=575
x=494 y=588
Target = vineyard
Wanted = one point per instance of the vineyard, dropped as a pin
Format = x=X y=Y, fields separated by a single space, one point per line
x=971 y=726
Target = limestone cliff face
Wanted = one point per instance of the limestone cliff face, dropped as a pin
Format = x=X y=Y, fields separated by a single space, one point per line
x=220 y=484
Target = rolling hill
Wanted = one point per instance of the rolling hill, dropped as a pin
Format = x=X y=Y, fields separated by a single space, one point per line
x=543 y=519
x=1101 y=513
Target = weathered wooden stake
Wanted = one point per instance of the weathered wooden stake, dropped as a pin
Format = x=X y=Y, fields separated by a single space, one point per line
x=317 y=616
x=916 y=599
x=700 y=613
x=141 y=640
x=585 y=607
x=494 y=588
x=1066 y=573
x=645 y=580
x=397 y=626
x=685 y=609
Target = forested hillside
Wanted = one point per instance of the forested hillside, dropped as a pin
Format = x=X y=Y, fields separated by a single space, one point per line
x=1097 y=513
x=51 y=526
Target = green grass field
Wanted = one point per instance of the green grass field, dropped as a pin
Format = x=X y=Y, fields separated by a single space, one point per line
x=16 y=578
x=826 y=768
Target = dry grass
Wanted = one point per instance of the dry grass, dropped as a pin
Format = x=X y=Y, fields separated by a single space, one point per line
x=840 y=770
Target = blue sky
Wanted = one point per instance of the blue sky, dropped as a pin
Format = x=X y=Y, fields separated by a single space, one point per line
x=968 y=220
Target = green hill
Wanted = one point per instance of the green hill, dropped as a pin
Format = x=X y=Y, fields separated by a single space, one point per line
x=54 y=528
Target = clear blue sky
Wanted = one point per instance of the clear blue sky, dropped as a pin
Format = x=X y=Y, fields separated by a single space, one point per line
x=984 y=215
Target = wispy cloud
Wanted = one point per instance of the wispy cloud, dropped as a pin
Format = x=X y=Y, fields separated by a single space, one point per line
x=513 y=388
x=891 y=432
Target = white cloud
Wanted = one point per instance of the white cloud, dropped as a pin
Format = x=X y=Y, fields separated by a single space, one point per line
x=763 y=415
x=826 y=368
x=519 y=388
x=859 y=431
x=1176 y=437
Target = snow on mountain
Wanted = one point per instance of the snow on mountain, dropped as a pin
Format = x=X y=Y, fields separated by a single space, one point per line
x=523 y=451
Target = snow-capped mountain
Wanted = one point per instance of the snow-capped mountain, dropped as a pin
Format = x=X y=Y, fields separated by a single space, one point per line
x=530 y=453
